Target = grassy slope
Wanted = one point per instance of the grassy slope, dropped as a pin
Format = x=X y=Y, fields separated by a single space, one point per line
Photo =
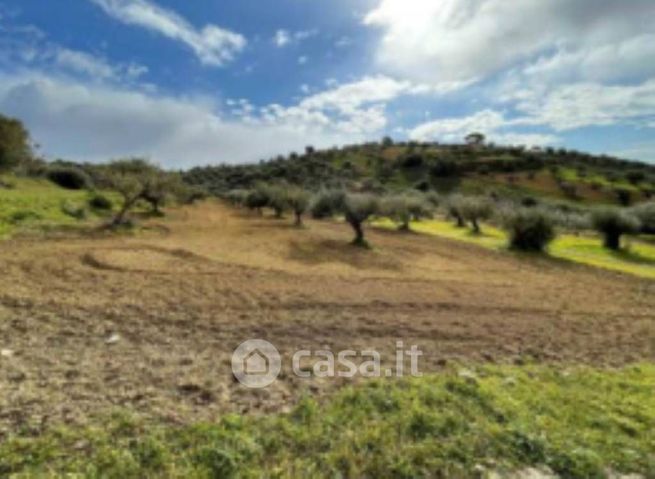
x=638 y=257
x=579 y=422
x=38 y=203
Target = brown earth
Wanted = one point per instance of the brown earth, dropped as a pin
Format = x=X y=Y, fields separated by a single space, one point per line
x=182 y=296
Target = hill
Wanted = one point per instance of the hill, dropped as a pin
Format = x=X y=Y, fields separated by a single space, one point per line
x=505 y=171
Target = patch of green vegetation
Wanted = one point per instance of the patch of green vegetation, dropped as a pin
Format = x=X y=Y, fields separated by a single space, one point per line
x=579 y=422
x=35 y=203
x=637 y=257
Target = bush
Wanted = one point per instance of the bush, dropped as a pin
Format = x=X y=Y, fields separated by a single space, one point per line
x=100 y=202
x=613 y=223
x=529 y=229
x=74 y=211
x=70 y=178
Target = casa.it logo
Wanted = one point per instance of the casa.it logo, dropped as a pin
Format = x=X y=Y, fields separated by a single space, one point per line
x=256 y=363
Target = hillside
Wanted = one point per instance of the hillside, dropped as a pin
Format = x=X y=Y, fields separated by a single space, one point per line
x=505 y=171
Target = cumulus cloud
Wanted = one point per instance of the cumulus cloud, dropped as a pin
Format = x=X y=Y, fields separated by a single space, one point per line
x=576 y=105
x=212 y=45
x=464 y=39
x=491 y=123
x=95 y=122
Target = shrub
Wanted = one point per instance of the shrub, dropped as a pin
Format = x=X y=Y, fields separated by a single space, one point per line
x=70 y=178
x=613 y=223
x=645 y=213
x=74 y=211
x=529 y=229
x=100 y=202
x=23 y=215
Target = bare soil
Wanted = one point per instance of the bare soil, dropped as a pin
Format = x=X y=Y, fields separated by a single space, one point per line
x=149 y=322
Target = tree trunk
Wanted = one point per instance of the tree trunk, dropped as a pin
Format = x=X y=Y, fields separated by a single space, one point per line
x=612 y=241
x=359 y=234
x=460 y=221
x=298 y=221
x=120 y=216
x=476 y=226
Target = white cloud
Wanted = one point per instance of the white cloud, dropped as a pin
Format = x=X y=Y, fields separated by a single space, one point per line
x=213 y=45
x=282 y=37
x=491 y=123
x=464 y=39
x=94 y=66
x=302 y=60
x=95 y=122
x=577 y=105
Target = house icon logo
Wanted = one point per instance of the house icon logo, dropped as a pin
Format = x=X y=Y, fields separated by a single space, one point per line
x=256 y=363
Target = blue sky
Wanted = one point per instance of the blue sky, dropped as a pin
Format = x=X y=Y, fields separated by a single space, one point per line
x=210 y=81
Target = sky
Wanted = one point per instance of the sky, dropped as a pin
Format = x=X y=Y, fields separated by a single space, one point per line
x=188 y=83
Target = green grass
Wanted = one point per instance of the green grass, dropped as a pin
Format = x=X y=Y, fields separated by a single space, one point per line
x=637 y=256
x=580 y=422
x=38 y=203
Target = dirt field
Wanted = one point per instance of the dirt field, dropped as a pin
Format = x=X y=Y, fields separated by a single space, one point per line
x=183 y=296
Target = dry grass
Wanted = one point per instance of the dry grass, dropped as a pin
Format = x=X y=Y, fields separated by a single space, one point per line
x=183 y=296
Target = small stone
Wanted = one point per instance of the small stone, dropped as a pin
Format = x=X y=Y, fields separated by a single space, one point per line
x=113 y=339
x=6 y=353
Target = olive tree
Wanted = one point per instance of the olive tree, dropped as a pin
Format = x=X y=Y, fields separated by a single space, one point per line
x=454 y=207
x=474 y=210
x=134 y=179
x=298 y=201
x=613 y=223
x=529 y=229
x=355 y=207
x=645 y=213
x=403 y=209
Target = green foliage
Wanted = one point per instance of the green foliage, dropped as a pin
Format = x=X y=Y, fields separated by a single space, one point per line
x=614 y=223
x=298 y=201
x=100 y=202
x=474 y=210
x=136 y=179
x=327 y=203
x=405 y=208
x=529 y=229
x=14 y=143
x=355 y=207
x=645 y=213
x=71 y=178
x=447 y=425
x=73 y=210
